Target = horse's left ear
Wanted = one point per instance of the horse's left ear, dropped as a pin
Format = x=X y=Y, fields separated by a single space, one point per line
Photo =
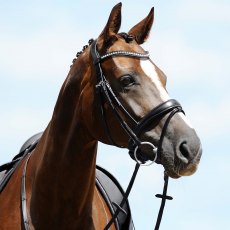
x=141 y=30
x=112 y=26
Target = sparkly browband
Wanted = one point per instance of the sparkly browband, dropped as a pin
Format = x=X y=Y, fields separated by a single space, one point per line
x=125 y=53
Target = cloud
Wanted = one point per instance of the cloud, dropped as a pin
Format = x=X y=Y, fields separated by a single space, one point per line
x=17 y=126
x=183 y=63
x=212 y=119
x=205 y=10
x=37 y=57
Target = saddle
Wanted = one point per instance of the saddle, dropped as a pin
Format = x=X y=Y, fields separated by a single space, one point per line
x=6 y=170
x=106 y=183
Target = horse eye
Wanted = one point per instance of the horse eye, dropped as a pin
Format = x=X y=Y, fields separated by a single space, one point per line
x=127 y=81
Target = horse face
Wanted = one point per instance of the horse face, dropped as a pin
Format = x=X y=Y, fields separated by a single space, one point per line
x=141 y=86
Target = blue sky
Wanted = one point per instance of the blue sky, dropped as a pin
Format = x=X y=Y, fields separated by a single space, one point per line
x=189 y=42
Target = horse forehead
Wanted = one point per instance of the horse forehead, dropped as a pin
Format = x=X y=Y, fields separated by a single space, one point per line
x=151 y=72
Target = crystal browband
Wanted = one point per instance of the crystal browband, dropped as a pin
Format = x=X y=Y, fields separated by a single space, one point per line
x=125 y=53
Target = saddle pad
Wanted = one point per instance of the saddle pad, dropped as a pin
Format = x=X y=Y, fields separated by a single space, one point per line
x=113 y=193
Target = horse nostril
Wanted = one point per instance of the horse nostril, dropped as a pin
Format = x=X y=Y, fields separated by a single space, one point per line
x=184 y=152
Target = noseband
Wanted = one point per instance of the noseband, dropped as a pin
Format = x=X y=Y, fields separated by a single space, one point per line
x=105 y=92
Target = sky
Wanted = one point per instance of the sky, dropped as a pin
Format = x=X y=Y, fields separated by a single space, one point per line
x=189 y=41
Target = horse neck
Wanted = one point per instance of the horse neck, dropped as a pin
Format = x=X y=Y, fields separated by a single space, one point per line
x=65 y=158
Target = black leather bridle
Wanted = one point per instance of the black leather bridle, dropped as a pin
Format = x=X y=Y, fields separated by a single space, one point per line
x=105 y=92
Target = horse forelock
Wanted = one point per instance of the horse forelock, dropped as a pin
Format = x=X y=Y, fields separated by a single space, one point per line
x=128 y=38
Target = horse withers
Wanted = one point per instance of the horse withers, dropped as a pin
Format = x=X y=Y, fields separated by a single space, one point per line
x=115 y=94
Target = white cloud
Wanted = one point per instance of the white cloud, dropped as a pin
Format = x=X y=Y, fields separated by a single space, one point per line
x=17 y=126
x=212 y=119
x=205 y=10
x=181 y=62
x=46 y=55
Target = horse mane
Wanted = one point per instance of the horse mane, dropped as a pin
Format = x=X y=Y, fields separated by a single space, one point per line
x=83 y=49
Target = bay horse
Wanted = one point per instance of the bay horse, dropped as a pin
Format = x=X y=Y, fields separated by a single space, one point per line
x=114 y=94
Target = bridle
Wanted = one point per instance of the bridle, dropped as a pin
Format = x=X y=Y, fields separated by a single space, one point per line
x=105 y=92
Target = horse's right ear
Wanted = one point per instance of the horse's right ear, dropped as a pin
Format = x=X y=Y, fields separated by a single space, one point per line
x=112 y=26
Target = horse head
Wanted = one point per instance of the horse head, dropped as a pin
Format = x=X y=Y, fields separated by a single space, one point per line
x=128 y=104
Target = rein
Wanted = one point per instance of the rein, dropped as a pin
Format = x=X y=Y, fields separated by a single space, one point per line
x=170 y=107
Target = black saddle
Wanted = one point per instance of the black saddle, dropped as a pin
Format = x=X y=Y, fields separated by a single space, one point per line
x=6 y=170
x=106 y=183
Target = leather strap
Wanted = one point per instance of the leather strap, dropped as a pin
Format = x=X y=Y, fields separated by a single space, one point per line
x=28 y=153
x=23 y=196
x=157 y=113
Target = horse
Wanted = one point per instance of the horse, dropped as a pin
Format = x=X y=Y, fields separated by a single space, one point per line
x=114 y=94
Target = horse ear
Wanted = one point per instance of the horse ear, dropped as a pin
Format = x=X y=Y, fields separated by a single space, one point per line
x=141 y=30
x=112 y=26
